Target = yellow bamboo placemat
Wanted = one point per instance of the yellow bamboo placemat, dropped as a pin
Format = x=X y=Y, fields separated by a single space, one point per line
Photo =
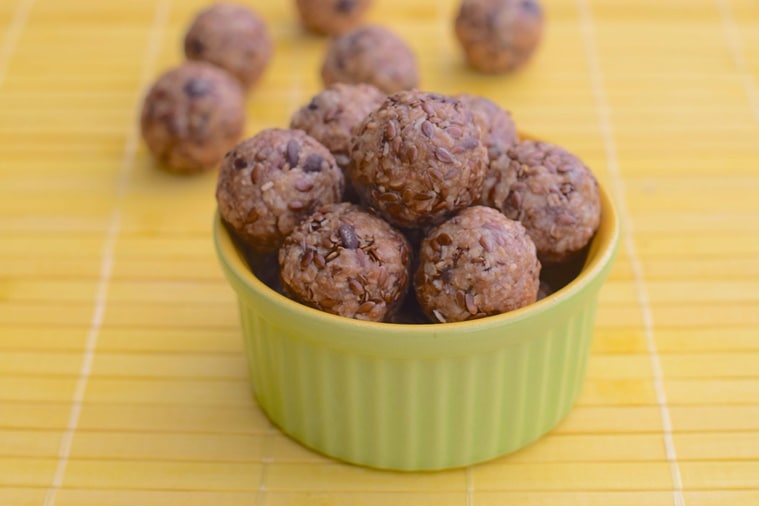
x=122 y=378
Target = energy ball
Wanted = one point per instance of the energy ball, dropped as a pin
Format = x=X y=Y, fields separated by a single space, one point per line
x=191 y=116
x=332 y=16
x=499 y=35
x=418 y=159
x=346 y=261
x=499 y=132
x=373 y=55
x=270 y=182
x=552 y=193
x=333 y=114
x=232 y=37
x=478 y=263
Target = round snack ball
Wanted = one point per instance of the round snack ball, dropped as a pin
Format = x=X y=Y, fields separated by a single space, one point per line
x=499 y=132
x=478 y=263
x=191 y=116
x=418 y=159
x=232 y=37
x=371 y=54
x=332 y=115
x=552 y=193
x=346 y=261
x=499 y=35
x=332 y=16
x=270 y=182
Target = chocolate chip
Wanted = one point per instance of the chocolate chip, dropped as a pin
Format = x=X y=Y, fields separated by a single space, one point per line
x=348 y=236
x=313 y=163
x=194 y=47
x=197 y=87
x=293 y=152
x=345 y=6
x=444 y=239
x=240 y=163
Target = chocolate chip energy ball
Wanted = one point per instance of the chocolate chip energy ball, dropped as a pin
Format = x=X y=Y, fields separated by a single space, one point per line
x=332 y=16
x=552 y=193
x=371 y=54
x=333 y=114
x=476 y=264
x=270 y=182
x=418 y=159
x=499 y=35
x=345 y=261
x=191 y=116
x=232 y=37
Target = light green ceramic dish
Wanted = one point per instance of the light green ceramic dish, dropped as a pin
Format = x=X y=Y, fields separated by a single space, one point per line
x=419 y=397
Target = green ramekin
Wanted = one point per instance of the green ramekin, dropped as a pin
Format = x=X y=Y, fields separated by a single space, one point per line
x=419 y=397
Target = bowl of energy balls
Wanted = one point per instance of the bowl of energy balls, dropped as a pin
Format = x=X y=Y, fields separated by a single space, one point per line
x=417 y=282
